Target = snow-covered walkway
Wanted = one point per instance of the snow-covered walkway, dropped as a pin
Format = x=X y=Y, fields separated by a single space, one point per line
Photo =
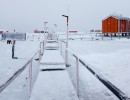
x=53 y=85
x=52 y=57
x=53 y=82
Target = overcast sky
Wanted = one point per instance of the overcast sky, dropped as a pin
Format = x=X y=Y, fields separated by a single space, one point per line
x=27 y=15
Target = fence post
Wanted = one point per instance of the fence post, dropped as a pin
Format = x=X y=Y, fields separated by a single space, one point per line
x=30 y=78
x=77 y=76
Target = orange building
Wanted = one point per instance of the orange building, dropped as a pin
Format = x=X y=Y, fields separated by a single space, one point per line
x=115 y=24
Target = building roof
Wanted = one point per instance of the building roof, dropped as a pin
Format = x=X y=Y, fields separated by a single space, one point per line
x=117 y=17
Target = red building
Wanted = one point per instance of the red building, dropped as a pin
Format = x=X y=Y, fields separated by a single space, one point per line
x=37 y=31
x=73 y=31
x=115 y=24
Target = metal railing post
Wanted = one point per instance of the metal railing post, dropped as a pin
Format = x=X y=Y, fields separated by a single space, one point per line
x=28 y=65
x=30 y=78
x=66 y=56
x=77 y=76
x=40 y=53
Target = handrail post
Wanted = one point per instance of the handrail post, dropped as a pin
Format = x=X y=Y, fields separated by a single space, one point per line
x=40 y=53
x=30 y=78
x=66 y=56
x=77 y=76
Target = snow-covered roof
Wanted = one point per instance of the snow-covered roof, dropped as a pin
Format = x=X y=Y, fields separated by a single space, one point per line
x=117 y=17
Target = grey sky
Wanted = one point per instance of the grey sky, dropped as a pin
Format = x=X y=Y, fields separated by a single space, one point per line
x=27 y=15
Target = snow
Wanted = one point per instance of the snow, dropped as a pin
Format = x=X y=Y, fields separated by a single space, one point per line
x=50 y=45
x=52 y=66
x=10 y=65
x=110 y=58
x=53 y=85
x=52 y=57
x=24 y=50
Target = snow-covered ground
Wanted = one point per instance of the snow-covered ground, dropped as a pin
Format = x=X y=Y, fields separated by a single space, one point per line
x=110 y=58
x=24 y=50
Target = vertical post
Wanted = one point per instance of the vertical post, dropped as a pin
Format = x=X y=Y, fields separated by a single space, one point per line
x=45 y=30
x=30 y=77
x=77 y=76
x=40 y=53
x=55 y=27
x=66 y=52
x=13 y=46
x=13 y=50
x=67 y=41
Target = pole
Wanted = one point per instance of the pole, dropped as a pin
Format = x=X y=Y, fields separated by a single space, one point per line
x=77 y=76
x=45 y=28
x=30 y=78
x=67 y=41
x=55 y=27
x=66 y=52
x=13 y=50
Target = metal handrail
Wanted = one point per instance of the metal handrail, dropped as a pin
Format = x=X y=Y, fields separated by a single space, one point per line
x=17 y=73
x=116 y=91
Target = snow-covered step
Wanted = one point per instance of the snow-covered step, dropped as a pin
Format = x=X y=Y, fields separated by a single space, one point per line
x=52 y=44
x=52 y=57
x=52 y=48
x=52 y=41
x=53 y=85
x=52 y=67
